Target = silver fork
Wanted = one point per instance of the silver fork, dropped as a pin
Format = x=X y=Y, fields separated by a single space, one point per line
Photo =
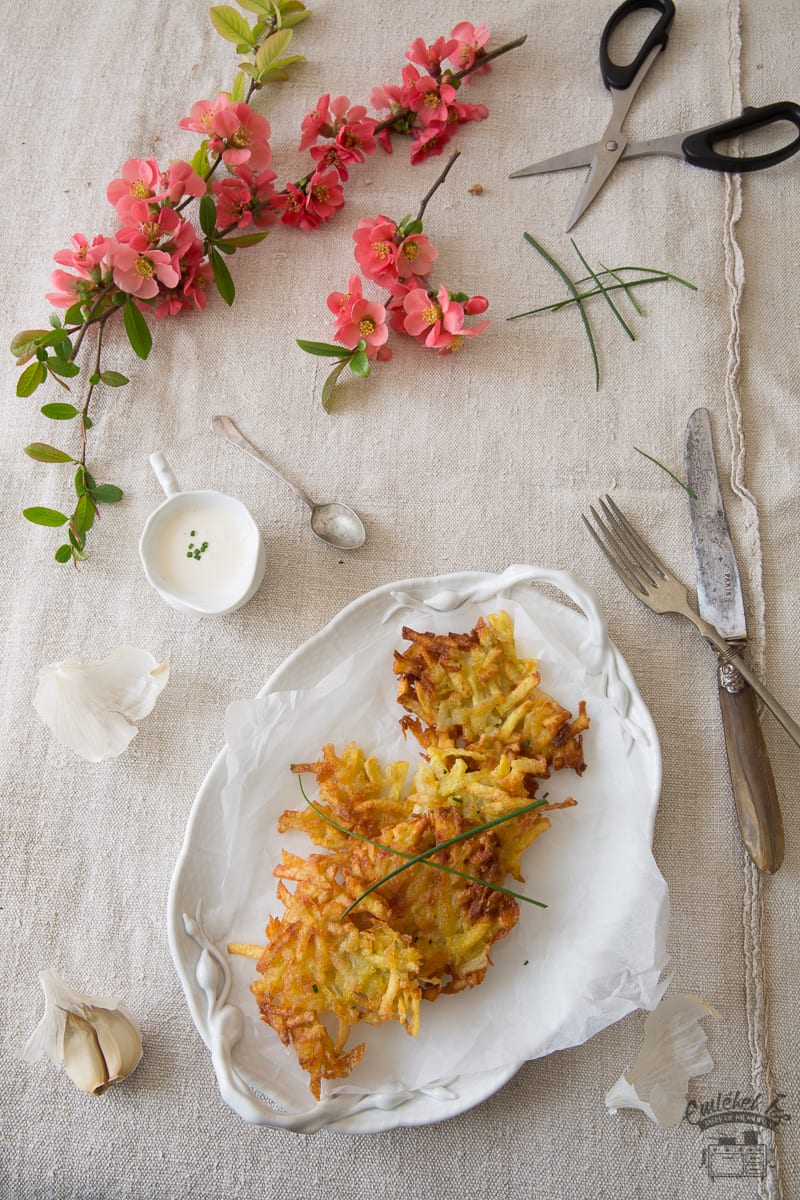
x=644 y=574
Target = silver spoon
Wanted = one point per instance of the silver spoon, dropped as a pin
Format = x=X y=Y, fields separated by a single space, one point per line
x=333 y=523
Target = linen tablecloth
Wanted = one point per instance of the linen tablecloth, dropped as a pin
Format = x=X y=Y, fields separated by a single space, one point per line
x=469 y=462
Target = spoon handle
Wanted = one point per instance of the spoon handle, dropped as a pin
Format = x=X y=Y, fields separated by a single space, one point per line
x=225 y=428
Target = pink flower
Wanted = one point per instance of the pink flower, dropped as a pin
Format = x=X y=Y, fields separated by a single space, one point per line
x=460 y=113
x=324 y=195
x=240 y=135
x=146 y=228
x=295 y=211
x=140 y=180
x=245 y=198
x=366 y=321
x=376 y=252
x=389 y=96
x=140 y=274
x=356 y=139
x=68 y=289
x=341 y=303
x=431 y=57
x=179 y=180
x=344 y=114
x=415 y=255
x=202 y=114
x=315 y=123
x=476 y=305
x=437 y=321
x=83 y=257
x=470 y=42
x=426 y=97
x=328 y=158
x=430 y=141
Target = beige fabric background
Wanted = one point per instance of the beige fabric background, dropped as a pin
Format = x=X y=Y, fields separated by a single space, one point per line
x=474 y=462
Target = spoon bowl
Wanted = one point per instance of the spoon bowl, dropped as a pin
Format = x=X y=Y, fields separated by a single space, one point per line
x=338 y=525
x=334 y=523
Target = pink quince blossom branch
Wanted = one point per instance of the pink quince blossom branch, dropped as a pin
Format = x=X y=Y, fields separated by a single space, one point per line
x=399 y=257
x=158 y=263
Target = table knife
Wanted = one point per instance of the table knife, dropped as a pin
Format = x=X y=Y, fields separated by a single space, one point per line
x=720 y=600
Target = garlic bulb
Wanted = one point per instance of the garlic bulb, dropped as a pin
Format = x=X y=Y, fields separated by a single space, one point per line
x=96 y=1041
x=89 y=706
x=674 y=1050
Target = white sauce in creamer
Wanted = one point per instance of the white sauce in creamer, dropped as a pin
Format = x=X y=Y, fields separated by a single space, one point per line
x=221 y=573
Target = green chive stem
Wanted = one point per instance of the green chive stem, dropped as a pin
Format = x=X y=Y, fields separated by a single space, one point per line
x=495 y=887
x=573 y=290
x=606 y=296
x=680 y=482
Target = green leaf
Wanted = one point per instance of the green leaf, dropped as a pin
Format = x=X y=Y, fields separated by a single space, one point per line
x=25 y=343
x=248 y=69
x=74 y=314
x=208 y=216
x=412 y=227
x=573 y=292
x=61 y=367
x=80 y=480
x=225 y=247
x=330 y=384
x=63 y=553
x=261 y=8
x=94 y=378
x=273 y=75
x=222 y=276
x=245 y=239
x=324 y=349
x=359 y=364
x=84 y=513
x=291 y=19
x=199 y=161
x=30 y=379
x=107 y=493
x=59 y=412
x=77 y=540
x=230 y=24
x=238 y=89
x=113 y=378
x=55 y=320
x=47 y=454
x=271 y=50
x=45 y=516
x=137 y=329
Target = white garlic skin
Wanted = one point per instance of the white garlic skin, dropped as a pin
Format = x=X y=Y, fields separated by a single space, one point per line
x=97 y=1042
x=673 y=1052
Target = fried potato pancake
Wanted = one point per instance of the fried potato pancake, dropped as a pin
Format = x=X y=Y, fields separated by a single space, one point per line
x=489 y=735
x=470 y=689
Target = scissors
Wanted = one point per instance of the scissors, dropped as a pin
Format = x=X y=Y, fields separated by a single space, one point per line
x=695 y=146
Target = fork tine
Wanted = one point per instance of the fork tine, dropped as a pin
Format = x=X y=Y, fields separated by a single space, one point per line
x=638 y=541
x=623 y=534
x=625 y=574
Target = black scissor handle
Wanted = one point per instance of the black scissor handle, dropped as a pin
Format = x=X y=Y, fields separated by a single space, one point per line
x=698 y=147
x=622 y=76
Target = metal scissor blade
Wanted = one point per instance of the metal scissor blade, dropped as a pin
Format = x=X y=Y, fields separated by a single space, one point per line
x=601 y=167
x=581 y=157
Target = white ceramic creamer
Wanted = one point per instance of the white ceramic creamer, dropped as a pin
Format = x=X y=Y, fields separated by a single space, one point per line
x=201 y=550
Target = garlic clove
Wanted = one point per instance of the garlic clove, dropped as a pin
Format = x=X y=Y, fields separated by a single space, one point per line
x=96 y=1041
x=673 y=1052
x=81 y=1055
x=119 y=1039
x=90 y=706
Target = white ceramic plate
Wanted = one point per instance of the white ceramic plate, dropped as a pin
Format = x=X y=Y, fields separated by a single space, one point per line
x=603 y=853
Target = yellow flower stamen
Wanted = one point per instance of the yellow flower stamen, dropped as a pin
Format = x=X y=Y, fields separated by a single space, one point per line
x=410 y=250
x=382 y=249
x=321 y=192
x=432 y=314
x=366 y=327
x=139 y=190
x=432 y=100
x=144 y=268
x=241 y=139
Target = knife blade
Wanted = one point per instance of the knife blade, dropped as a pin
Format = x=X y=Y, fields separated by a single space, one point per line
x=721 y=603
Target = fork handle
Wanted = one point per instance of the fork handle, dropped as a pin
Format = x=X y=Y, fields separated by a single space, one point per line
x=746 y=671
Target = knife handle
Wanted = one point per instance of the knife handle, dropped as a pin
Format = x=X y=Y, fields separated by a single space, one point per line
x=754 y=791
